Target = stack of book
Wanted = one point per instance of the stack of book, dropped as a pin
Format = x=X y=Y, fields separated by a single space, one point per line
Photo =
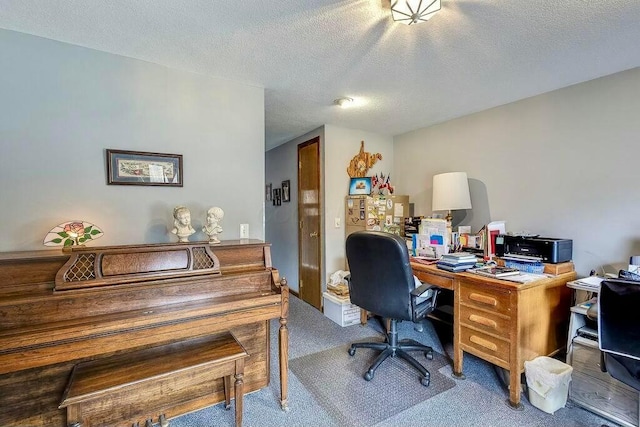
x=457 y=261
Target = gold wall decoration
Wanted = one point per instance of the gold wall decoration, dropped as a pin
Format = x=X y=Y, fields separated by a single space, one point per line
x=362 y=162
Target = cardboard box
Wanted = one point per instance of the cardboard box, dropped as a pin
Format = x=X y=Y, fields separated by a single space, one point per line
x=340 y=310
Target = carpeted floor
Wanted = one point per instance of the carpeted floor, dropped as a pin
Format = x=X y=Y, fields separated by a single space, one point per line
x=479 y=400
x=336 y=381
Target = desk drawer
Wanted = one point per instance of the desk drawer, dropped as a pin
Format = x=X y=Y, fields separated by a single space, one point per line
x=434 y=279
x=486 y=321
x=485 y=297
x=487 y=345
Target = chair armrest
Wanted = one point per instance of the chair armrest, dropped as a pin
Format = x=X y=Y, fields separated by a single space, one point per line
x=423 y=300
x=424 y=289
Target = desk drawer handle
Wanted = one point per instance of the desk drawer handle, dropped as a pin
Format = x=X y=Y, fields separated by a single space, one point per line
x=486 y=344
x=483 y=321
x=483 y=299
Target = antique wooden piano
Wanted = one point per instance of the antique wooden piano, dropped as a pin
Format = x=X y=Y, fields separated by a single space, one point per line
x=62 y=308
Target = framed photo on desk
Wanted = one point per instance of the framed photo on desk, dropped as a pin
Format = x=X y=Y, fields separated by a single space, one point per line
x=360 y=186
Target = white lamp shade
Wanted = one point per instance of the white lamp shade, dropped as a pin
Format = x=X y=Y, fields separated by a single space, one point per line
x=451 y=191
x=414 y=11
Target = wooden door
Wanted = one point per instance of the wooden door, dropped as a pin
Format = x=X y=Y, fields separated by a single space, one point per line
x=310 y=222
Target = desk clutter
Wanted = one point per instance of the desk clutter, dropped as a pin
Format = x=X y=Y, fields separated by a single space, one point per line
x=498 y=268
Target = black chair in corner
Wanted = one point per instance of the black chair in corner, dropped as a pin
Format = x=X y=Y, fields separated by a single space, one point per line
x=381 y=282
x=619 y=330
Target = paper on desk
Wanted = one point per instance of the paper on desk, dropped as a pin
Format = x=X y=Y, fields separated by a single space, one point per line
x=592 y=281
x=524 y=277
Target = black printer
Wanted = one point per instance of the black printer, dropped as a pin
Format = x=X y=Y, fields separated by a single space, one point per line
x=546 y=249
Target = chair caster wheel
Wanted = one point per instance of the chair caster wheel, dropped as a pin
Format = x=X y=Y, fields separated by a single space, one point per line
x=428 y=355
x=425 y=381
x=352 y=351
x=368 y=376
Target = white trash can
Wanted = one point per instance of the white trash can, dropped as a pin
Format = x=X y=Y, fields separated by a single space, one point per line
x=548 y=383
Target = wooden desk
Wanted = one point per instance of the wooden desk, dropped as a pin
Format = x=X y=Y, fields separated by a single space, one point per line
x=502 y=322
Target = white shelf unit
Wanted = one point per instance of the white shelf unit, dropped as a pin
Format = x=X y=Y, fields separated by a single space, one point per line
x=591 y=388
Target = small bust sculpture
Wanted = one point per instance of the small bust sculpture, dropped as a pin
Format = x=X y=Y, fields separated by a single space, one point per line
x=182 y=223
x=212 y=228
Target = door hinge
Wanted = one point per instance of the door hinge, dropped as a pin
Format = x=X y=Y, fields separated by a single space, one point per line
x=301 y=284
x=299 y=165
x=301 y=224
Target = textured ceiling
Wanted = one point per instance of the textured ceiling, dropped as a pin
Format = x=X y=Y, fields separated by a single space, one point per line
x=473 y=55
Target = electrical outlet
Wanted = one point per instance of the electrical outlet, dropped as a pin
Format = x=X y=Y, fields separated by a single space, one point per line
x=337 y=222
x=244 y=231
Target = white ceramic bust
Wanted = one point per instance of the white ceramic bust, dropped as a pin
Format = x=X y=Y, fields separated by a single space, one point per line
x=182 y=223
x=212 y=228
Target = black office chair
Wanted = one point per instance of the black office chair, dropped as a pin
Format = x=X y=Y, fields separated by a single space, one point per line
x=619 y=330
x=382 y=282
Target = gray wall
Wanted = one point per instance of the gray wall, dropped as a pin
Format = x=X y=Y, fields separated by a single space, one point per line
x=63 y=105
x=281 y=222
x=562 y=164
x=337 y=147
x=341 y=146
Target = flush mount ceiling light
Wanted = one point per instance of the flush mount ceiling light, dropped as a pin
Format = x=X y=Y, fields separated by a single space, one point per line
x=414 y=11
x=344 y=102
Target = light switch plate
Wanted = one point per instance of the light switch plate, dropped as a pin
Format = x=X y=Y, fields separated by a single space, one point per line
x=244 y=231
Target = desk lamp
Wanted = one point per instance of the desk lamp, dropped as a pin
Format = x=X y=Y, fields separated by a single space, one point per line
x=450 y=192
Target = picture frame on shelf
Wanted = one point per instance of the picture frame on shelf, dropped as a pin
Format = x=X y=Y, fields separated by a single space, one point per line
x=360 y=186
x=144 y=168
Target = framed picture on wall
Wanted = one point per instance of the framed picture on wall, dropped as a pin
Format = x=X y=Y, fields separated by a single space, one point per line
x=286 y=195
x=267 y=193
x=276 y=197
x=141 y=168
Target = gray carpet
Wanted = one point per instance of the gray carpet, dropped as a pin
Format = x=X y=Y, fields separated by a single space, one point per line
x=336 y=381
x=478 y=401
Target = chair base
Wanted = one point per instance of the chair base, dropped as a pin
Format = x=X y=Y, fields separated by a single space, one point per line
x=392 y=348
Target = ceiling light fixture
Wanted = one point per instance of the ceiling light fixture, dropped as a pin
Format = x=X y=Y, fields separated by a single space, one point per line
x=414 y=11
x=344 y=102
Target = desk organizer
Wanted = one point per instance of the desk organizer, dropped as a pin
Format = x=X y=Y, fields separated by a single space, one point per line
x=527 y=267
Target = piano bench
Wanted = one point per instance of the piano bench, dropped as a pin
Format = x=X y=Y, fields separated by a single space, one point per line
x=133 y=388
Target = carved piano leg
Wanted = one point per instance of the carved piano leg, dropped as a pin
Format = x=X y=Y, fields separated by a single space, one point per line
x=149 y=423
x=284 y=346
x=163 y=421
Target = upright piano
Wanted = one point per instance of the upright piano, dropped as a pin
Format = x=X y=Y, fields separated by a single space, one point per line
x=59 y=308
